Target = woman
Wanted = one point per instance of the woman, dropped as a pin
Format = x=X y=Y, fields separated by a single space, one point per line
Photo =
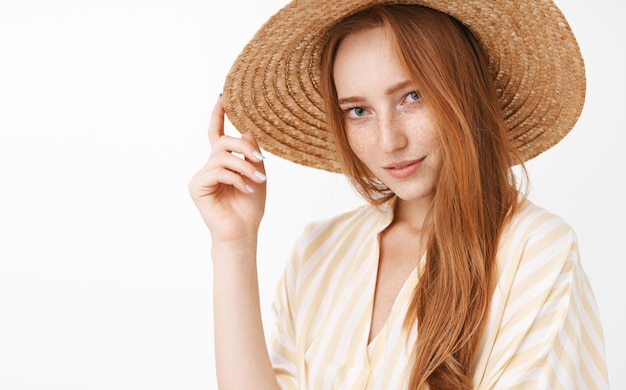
x=449 y=278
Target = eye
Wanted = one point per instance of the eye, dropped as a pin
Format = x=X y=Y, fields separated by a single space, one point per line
x=356 y=112
x=413 y=96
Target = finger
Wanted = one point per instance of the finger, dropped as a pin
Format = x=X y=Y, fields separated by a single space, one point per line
x=242 y=146
x=206 y=183
x=256 y=158
x=237 y=165
x=216 y=126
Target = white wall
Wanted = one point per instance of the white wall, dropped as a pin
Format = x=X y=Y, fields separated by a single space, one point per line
x=105 y=276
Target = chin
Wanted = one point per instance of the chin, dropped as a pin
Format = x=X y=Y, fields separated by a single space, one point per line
x=413 y=194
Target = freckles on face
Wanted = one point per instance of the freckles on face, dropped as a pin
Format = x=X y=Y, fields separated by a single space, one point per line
x=387 y=124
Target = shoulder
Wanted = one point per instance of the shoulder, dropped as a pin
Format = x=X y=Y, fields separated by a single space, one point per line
x=363 y=218
x=341 y=236
x=533 y=226
x=536 y=244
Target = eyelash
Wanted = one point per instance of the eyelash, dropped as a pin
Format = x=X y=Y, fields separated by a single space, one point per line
x=416 y=93
x=349 y=109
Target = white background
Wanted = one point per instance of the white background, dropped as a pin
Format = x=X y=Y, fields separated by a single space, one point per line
x=105 y=275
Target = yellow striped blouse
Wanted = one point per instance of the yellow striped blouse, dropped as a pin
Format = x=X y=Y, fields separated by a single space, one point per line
x=543 y=330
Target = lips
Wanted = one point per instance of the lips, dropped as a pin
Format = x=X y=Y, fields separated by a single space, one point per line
x=403 y=169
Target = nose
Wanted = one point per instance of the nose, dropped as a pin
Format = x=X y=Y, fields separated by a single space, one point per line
x=392 y=132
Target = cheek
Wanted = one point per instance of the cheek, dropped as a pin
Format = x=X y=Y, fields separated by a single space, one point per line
x=435 y=140
x=355 y=142
x=430 y=136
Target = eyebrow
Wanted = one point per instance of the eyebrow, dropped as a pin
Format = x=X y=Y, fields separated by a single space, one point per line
x=391 y=90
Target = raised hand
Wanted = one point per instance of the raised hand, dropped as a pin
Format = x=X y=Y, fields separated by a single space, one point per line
x=229 y=191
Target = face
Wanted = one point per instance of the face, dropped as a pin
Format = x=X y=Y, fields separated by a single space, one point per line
x=388 y=126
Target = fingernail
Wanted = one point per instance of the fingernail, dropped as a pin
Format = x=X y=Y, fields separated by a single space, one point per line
x=258 y=155
x=260 y=175
x=250 y=189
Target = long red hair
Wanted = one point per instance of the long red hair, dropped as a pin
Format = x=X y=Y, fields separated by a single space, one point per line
x=476 y=191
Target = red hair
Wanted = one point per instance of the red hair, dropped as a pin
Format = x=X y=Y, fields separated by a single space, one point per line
x=476 y=191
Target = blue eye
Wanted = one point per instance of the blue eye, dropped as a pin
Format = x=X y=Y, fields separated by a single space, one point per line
x=414 y=96
x=357 y=111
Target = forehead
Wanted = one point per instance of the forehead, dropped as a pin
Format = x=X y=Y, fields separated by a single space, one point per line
x=364 y=60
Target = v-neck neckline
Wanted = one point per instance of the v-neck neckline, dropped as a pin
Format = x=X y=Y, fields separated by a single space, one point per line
x=407 y=288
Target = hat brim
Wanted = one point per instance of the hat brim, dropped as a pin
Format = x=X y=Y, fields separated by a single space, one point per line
x=273 y=86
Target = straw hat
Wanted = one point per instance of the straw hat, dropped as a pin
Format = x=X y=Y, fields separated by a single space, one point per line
x=273 y=86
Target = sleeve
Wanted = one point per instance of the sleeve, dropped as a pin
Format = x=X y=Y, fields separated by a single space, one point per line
x=549 y=334
x=282 y=345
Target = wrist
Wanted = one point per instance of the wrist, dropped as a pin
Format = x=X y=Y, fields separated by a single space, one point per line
x=234 y=250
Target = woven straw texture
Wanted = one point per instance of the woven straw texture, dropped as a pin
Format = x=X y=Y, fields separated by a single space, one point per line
x=273 y=87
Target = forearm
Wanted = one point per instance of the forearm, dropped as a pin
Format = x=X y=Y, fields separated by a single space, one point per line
x=242 y=360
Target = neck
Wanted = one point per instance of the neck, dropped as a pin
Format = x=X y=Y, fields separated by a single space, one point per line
x=412 y=212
